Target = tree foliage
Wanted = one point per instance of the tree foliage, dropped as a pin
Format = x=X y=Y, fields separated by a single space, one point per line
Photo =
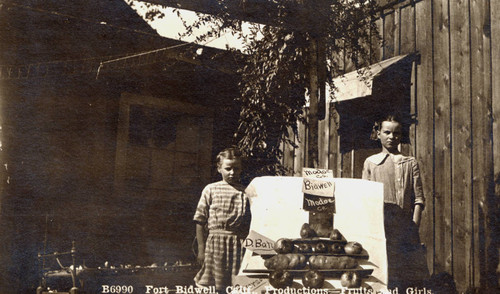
x=274 y=72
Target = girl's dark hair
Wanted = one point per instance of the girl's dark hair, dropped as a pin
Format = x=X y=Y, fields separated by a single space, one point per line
x=228 y=153
x=376 y=126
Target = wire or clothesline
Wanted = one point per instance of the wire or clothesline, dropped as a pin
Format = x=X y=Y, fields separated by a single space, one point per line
x=65 y=67
x=153 y=52
x=102 y=63
x=42 y=69
x=86 y=65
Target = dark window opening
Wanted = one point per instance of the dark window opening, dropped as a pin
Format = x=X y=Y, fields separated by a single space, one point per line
x=152 y=127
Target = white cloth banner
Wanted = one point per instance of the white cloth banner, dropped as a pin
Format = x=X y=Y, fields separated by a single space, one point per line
x=276 y=205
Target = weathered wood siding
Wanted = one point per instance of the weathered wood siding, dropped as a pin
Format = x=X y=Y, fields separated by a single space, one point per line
x=455 y=99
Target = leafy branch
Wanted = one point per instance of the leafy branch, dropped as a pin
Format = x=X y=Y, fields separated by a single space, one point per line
x=275 y=70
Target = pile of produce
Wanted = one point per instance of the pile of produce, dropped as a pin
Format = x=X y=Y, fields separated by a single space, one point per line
x=313 y=256
x=286 y=261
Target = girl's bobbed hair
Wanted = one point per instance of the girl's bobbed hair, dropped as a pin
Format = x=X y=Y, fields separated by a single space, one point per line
x=228 y=153
x=392 y=117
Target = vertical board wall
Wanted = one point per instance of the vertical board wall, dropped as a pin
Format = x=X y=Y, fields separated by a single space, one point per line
x=455 y=99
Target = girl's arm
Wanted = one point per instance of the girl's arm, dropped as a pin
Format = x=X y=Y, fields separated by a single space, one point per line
x=366 y=175
x=200 y=237
x=419 y=194
x=417 y=213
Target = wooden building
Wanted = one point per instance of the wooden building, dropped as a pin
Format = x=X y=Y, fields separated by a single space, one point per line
x=452 y=100
x=106 y=132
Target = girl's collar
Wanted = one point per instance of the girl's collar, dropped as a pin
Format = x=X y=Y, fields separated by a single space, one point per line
x=380 y=157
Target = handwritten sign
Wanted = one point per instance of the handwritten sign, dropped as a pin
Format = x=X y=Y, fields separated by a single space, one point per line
x=243 y=284
x=316 y=173
x=323 y=187
x=319 y=204
x=319 y=192
x=259 y=243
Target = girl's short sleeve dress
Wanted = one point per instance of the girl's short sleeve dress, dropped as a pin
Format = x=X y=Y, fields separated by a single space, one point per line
x=224 y=208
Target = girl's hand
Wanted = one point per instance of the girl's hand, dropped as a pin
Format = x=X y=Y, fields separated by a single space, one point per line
x=200 y=238
x=417 y=214
x=201 y=256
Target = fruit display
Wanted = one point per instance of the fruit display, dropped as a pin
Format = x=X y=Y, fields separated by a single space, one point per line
x=336 y=235
x=283 y=245
x=304 y=248
x=320 y=247
x=337 y=248
x=321 y=230
x=314 y=256
x=313 y=279
x=286 y=261
x=307 y=231
x=280 y=279
x=332 y=262
x=353 y=248
x=350 y=280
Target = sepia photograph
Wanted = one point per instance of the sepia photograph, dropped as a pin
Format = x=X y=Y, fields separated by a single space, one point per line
x=250 y=146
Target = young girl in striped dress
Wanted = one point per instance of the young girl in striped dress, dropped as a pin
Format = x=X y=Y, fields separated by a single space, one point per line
x=224 y=211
